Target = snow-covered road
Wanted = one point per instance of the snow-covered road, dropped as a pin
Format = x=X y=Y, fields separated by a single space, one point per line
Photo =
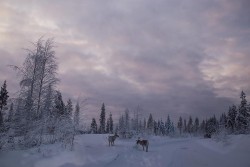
x=93 y=151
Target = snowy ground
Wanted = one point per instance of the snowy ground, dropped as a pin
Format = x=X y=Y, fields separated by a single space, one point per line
x=93 y=151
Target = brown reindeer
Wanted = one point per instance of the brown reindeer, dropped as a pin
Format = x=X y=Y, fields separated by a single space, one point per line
x=144 y=143
x=111 y=139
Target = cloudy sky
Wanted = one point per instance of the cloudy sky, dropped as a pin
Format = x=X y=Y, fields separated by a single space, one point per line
x=177 y=57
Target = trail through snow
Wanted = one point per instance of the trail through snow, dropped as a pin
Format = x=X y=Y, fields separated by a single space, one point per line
x=93 y=151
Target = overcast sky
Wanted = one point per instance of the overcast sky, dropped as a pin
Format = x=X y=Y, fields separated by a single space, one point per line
x=177 y=57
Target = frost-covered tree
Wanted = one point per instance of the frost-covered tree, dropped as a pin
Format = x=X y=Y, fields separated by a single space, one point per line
x=190 y=125
x=59 y=108
x=180 y=124
x=77 y=116
x=231 y=123
x=150 y=124
x=11 y=113
x=102 y=119
x=185 y=126
x=168 y=125
x=127 y=120
x=196 y=125
x=109 y=126
x=69 y=107
x=202 y=126
x=156 y=128
x=3 y=101
x=243 y=116
x=93 y=126
x=144 y=124
x=39 y=71
x=211 y=125
x=121 y=126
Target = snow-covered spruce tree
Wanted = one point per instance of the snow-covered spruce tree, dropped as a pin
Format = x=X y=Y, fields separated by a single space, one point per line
x=93 y=126
x=196 y=125
x=156 y=128
x=190 y=125
x=77 y=117
x=127 y=121
x=64 y=127
x=3 y=102
x=223 y=121
x=136 y=120
x=121 y=126
x=150 y=124
x=11 y=113
x=102 y=120
x=144 y=125
x=211 y=126
x=202 y=127
x=231 y=123
x=185 y=126
x=109 y=126
x=179 y=125
x=69 y=108
x=168 y=125
x=243 y=116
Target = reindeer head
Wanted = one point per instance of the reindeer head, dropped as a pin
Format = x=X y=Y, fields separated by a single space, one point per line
x=138 y=141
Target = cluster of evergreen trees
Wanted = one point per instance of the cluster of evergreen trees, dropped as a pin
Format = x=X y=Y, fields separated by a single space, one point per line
x=106 y=126
x=236 y=121
x=38 y=114
x=127 y=127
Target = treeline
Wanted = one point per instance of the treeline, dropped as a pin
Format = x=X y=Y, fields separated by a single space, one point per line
x=129 y=126
x=38 y=114
x=235 y=121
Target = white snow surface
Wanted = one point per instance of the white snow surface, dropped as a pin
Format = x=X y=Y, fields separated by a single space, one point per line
x=91 y=150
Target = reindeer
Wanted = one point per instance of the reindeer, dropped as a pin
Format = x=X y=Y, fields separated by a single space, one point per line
x=111 y=139
x=144 y=143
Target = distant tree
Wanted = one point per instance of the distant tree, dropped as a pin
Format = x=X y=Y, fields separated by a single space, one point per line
x=185 y=126
x=109 y=126
x=244 y=114
x=150 y=123
x=223 y=121
x=3 y=101
x=202 y=126
x=59 y=108
x=156 y=128
x=168 y=125
x=162 y=128
x=211 y=125
x=232 y=114
x=144 y=124
x=102 y=119
x=196 y=125
x=69 y=107
x=77 y=116
x=121 y=126
x=127 y=121
x=11 y=113
x=180 y=124
x=190 y=125
x=93 y=126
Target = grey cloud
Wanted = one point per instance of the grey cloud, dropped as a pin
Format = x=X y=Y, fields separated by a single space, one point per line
x=171 y=57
